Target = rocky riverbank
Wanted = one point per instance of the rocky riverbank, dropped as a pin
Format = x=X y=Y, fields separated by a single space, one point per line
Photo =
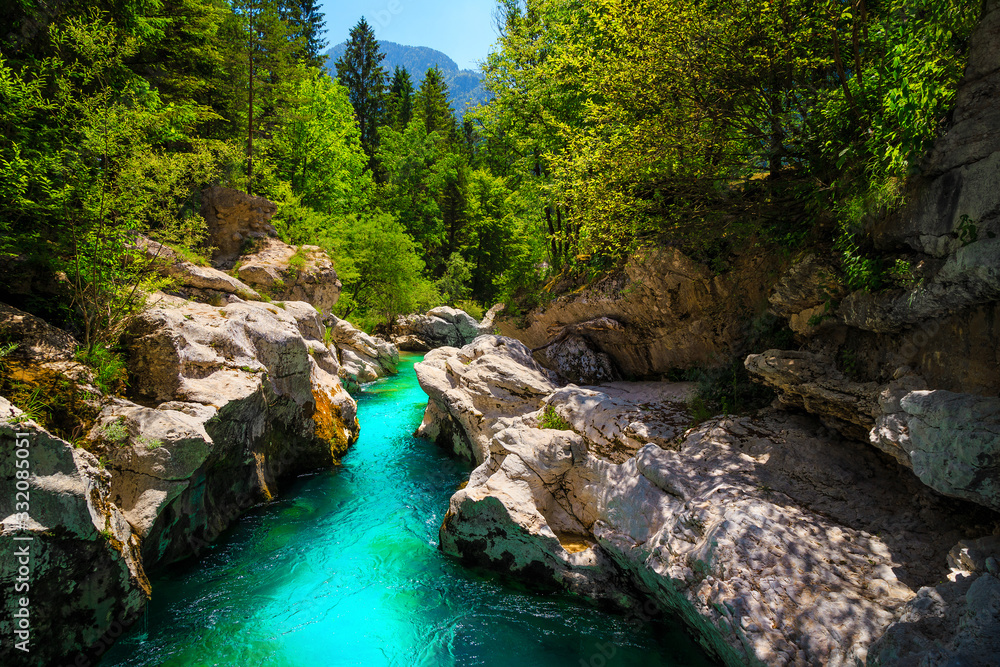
x=775 y=539
x=852 y=522
x=231 y=391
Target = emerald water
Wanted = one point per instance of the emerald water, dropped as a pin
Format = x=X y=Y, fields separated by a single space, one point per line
x=344 y=569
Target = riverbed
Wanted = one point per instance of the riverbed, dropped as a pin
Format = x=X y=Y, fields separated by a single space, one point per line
x=344 y=569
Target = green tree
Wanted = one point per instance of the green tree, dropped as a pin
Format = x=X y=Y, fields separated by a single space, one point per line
x=318 y=150
x=454 y=284
x=360 y=71
x=93 y=176
x=399 y=103
x=263 y=73
x=307 y=27
x=380 y=267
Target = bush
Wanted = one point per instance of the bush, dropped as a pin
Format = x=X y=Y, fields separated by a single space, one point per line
x=552 y=420
x=110 y=373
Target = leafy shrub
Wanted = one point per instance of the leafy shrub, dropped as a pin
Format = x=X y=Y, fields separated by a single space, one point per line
x=552 y=420
x=110 y=373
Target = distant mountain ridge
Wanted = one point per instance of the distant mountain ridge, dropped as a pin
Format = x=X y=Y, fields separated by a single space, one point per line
x=465 y=86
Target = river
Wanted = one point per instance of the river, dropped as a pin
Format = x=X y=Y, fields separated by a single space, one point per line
x=344 y=569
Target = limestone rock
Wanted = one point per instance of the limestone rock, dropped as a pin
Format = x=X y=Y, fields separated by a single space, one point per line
x=805 y=294
x=288 y=273
x=960 y=173
x=676 y=312
x=954 y=623
x=246 y=394
x=233 y=218
x=85 y=566
x=577 y=361
x=43 y=352
x=810 y=382
x=363 y=358
x=489 y=378
x=969 y=277
x=758 y=531
x=187 y=274
x=440 y=327
x=950 y=440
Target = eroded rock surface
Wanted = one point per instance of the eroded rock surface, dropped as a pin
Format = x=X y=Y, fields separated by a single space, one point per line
x=774 y=539
x=84 y=566
x=235 y=218
x=204 y=280
x=575 y=360
x=289 y=273
x=954 y=623
x=244 y=395
x=440 y=327
x=363 y=358
x=675 y=312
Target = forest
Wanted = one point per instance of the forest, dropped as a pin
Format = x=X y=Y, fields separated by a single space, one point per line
x=706 y=124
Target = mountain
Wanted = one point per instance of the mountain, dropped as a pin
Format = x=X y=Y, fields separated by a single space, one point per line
x=464 y=85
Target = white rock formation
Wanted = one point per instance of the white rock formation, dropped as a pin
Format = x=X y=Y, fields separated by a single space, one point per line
x=777 y=543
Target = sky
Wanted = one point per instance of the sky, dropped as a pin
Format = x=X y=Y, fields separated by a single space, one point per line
x=462 y=29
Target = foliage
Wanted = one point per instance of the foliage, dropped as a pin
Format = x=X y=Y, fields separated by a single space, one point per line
x=454 y=284
x=380 y=268
x=110 y=373
x=551 y=419
x=318 y=151
x=360 y=71
x=727 y=388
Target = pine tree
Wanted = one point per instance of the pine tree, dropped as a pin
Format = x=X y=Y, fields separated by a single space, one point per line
x=399 y=106
x=361 y=72
x=262 y=69
x=431 y=105
x=307 y=25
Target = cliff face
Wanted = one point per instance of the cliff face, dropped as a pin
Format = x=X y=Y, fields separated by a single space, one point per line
x=916 y=372
x=675 y=313
x=67 y=550
x=245 y=394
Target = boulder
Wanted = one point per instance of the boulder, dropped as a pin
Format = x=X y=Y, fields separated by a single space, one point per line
x=576 y=360
x=42 y=352
x=363 y=358
x=290 y=273
x=440 y=327
x=202 y=279
x=951 y=441
x=236 y=398
x=84 y=566
x=235 y=218
x=954 y=623
x=471 y=388
x=969 y=277
x=776 y=542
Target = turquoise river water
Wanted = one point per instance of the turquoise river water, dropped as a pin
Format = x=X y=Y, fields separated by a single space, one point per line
x=344 y=569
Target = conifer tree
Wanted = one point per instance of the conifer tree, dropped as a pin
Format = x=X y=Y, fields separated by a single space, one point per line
x=360 y=71
x=431 y=105
x=307 y=26
x=399 y=106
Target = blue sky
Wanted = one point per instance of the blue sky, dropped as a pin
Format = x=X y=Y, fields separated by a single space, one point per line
x=462 y=29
